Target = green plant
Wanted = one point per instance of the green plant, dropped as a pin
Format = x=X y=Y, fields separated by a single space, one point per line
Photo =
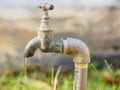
x=20 y=83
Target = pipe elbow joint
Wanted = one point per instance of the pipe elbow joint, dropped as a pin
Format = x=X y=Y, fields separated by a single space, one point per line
x=77 y=49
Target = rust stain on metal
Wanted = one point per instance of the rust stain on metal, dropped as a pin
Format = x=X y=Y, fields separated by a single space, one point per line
x=75 y=48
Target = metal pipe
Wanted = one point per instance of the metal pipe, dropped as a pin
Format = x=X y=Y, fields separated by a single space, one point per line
x=77 y=49
x=80 y=77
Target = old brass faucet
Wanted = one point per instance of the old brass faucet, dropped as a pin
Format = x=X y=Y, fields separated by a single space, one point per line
x=77 y=49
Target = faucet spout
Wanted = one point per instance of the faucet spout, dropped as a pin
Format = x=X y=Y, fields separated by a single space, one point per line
x=31 y=47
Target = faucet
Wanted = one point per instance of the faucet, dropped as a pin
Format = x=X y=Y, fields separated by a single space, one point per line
x=75 y=48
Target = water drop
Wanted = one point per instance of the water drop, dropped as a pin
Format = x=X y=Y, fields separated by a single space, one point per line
x=25 y=68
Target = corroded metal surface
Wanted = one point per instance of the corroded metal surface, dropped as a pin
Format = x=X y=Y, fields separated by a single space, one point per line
x=77 y=49
x=45 y=32
x=80 y=78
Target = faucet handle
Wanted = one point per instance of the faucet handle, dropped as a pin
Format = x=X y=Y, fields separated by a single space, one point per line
x=46 y=7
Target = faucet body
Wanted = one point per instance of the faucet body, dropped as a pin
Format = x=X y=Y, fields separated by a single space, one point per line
x=77 y=49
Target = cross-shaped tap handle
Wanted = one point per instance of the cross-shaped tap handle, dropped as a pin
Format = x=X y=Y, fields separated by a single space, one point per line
x=46 y=7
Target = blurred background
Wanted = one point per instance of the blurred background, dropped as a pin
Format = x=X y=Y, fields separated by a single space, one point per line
x=96 y=22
